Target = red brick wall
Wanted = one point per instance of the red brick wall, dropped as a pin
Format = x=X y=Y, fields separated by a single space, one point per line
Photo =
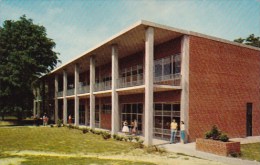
x=217 y=147
x=168 y=48
x=132 y=60
x=223 y=78
x=169 y=96
x=105 y=121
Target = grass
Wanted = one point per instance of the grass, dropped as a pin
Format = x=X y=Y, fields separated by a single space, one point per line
x=49 y=160
x=55 y=139
x=61 y=141
x=251 y=151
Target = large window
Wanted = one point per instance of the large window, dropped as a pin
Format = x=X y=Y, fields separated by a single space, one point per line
x=131 y=112
x=131 y=76
x=106 y=109
x=164 y=68
x=163 y=115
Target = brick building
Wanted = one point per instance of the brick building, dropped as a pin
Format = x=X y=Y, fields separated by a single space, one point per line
x=154 y=73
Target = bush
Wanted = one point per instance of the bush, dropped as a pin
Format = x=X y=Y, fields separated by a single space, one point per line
x=51 y=125
x=137 y=138
x=216 y=134
x=85 y=130
x=106 y=135
x=223 y=137
x=130 y=138
x=59 y=123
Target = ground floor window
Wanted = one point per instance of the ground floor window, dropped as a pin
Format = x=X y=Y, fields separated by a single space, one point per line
x=131 y=112
x=163 y=115
x=82 y=114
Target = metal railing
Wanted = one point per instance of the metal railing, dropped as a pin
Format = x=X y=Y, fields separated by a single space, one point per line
x=102 y=86
x=130 y=81
x=70 y=92
x=171 y=79
x=83 y=89
x=60 y=94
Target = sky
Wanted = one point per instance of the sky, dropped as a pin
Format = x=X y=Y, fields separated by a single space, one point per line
x=78 y=25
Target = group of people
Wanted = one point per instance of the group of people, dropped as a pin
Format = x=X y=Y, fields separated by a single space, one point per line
x=130 y=129
x=174 y=129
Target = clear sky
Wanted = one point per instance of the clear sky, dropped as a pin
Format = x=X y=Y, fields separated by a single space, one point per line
x=78 y=25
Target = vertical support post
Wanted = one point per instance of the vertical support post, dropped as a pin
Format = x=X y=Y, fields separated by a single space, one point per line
x=76 y=98
x=115 y=112
x=56 y=99
x=149 y=64
x=92 y=96
x=185 y=83
x=34 y=108
x=65 y=103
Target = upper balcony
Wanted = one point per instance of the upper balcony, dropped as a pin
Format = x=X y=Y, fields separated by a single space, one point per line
x=103 y=86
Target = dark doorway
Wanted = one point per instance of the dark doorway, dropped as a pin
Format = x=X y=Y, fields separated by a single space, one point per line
x=249 y=108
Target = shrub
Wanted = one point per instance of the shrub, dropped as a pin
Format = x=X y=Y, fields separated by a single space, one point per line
x=130 y=138
x=137 y=138
x=85 y=130
x=208 y=135
x=106 y=135
x=223 y=137
x=216 y=134
x=51 y=125
x=59 y=122
x=114 y=136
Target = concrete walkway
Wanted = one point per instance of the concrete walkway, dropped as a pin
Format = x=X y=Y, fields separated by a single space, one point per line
x=189 y=149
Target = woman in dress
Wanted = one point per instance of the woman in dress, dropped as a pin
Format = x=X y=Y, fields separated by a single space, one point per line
x=125 y=127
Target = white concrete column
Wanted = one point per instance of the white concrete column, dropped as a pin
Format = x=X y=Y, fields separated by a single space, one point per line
x=91 y=91
x=149 y=62
x=56 y=116
x=76 y=98
x=115 y=111
x=185 y=83
x=86 y=113
x=65 y=86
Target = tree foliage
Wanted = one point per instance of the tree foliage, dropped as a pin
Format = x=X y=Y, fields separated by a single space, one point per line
x=250 y=40
x=25 y=54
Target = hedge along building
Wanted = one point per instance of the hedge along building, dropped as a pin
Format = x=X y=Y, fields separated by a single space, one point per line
x=153 y=73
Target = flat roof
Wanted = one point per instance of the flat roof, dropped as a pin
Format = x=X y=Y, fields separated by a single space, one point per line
x=133 y=36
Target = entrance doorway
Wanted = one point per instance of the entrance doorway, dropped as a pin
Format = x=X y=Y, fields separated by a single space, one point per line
x=82 y=114
x=249 y=108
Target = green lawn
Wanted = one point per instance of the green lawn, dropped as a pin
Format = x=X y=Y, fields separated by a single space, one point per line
x=60 y=141
x=251 y=151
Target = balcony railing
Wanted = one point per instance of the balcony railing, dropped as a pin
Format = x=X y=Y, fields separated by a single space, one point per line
x=102 y=86
x=171 y=79
x=83 y=89
x=60 y=94
x=70 y=92
x=130 y=81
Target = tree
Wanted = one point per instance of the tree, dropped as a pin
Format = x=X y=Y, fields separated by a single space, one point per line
x=250 y=40
x=26 y=53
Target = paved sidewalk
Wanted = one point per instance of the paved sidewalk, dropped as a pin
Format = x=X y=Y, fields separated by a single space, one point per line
x=189 y=149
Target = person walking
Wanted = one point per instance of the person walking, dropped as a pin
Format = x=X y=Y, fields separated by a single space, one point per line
x=174 y=126
x=182 y=132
